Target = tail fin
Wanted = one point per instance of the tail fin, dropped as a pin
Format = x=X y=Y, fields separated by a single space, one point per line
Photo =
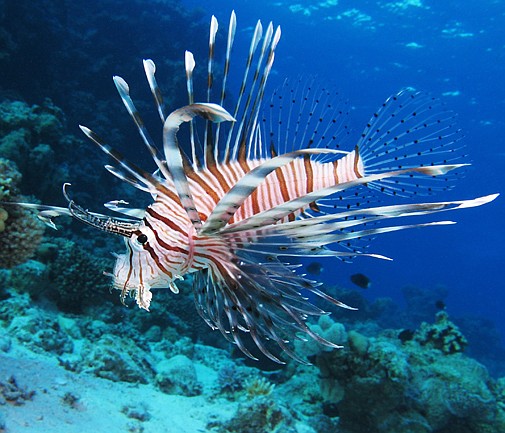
x=411 y=129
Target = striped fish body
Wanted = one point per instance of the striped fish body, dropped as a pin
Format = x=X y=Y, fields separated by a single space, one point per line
x=266 y=187
x=174 y=246
x=296 y=179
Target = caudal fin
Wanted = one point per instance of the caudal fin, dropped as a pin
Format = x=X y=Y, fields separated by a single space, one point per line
x=411 y=129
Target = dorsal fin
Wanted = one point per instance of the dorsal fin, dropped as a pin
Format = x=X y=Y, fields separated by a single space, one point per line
x=210 y=162
x=124 y=91
x=150 y=70
x=173 y=154
x=258 y=30
x=208 y=138
x=247 y=113
x=231 y=37
x=253 y=119
x=189 y=64
x=304 y=114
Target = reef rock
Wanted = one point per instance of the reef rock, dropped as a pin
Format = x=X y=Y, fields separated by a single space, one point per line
x=177 y=375
x=20 y=231
x=424 y=385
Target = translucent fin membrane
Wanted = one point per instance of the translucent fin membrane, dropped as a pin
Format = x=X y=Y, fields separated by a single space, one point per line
x=411 y=129
x=305 y=115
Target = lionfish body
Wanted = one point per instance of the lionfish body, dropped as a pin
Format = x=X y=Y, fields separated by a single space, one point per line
x=263 y=188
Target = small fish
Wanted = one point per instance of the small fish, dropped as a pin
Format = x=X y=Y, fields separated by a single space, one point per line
x=258 y=185
x=440 y=305
x=314 y=268
x=361 y=280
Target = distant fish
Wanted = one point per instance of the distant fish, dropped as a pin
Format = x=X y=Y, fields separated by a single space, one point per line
x=361 y=280
x=314 y=268
x=440 y=305
x=254 y=187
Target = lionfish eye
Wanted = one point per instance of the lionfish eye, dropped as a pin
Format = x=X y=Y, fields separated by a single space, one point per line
x=142 y=239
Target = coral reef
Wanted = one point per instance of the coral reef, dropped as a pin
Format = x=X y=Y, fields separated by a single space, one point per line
x=177 y=375
x=375 y=383
x=66 y=39
x=76 y=277
x=442 y=335
x=423 y=385
x=33 y=138
x=20 y=231
x=259 y=415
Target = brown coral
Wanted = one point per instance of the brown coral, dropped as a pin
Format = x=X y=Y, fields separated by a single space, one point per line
x=19 y=240
x=20 y=231
x=3 y=217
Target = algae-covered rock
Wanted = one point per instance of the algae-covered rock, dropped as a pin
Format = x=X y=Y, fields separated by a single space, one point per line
x=177 y=375
x=260 y=415
x=326 y=328
x=442 y=335
x=40 y=332
x=115 y=358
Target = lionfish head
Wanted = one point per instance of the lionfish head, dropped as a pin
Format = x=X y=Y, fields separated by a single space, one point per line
x=136 y=271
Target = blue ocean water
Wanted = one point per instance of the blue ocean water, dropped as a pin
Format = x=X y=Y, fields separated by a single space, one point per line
x=453 y=50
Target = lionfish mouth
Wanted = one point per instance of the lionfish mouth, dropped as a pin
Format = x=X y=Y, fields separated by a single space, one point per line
x=99 y=221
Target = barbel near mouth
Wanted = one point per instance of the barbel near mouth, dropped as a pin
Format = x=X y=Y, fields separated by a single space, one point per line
x=101 y=222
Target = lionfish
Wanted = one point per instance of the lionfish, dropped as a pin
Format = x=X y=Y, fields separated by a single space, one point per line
x=254 y=189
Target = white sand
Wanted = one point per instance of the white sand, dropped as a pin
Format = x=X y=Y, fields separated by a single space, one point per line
x=100 y=402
